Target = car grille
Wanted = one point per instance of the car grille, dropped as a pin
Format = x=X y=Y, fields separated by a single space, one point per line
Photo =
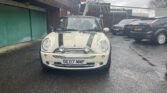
x=74 y=65
x=74 y=50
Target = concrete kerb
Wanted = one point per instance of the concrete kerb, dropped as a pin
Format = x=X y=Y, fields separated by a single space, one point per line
x=15 y=47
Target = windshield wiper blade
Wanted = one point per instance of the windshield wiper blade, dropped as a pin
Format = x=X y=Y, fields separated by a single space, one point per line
x=91 y=30
x=72 y=29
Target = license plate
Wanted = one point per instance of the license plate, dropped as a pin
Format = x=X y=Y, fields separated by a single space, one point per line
x=72 y=61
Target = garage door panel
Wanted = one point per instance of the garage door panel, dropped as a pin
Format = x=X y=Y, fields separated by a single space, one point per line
x=3 y=35
x=16 y=24
x=39 y=24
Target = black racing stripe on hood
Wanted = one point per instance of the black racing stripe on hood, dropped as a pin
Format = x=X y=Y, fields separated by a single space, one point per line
x=90 y=40
x=60 y=39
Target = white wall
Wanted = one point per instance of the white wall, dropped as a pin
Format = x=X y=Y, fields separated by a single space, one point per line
x=140 y=11
x=161 y=12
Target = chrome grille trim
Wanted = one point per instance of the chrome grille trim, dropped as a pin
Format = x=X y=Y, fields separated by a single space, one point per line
x=76 y=65
x=62 y=57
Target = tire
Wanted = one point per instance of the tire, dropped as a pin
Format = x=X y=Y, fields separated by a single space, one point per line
x=161 y=38
x=138 y=39
x=45 y=68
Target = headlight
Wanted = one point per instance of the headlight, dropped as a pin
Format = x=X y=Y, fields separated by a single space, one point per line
x=103 y=45
x=87 y=50
x=61 y=49
x=46 y=44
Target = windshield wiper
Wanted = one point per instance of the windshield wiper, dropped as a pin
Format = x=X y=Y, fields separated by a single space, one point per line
x=72 y=29
x=90 y=30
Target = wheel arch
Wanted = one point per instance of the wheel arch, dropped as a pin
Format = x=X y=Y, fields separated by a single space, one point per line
x=160 y=31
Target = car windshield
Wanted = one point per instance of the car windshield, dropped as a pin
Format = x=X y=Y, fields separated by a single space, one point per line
x=126 y=21
x=79 y=24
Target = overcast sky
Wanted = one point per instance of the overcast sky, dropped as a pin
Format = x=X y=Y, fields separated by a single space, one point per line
x=133 y=3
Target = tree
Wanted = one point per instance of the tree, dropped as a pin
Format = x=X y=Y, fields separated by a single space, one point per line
x=158 y=4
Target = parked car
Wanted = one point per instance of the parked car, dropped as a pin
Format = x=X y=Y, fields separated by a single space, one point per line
x=154 y=29
x=120 y=27
x=129 y=27
x=79 y=44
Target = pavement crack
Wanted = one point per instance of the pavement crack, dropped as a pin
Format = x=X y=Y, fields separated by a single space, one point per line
x=144 y=58
x=147 y=60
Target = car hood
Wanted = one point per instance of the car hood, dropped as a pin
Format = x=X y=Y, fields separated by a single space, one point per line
x=76 y=39
x=140 y=23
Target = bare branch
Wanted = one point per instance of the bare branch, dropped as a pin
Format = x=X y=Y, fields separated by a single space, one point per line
x=158 y=4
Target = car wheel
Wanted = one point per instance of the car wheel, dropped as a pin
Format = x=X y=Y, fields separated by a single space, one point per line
x=138 y=39
x=161 y=38
x=45 y=68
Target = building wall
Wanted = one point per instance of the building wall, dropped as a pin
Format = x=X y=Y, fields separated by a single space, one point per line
x=14 y=26
x=161 y=12
x=53 y=17
x=69 y=5
x=137 y=11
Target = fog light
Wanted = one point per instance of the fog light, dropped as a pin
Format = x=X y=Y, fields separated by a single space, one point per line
x=103 y=56
x=47 y=62
x=61 y=50
x=148 y=36
x=101 y=63
x=87 y=50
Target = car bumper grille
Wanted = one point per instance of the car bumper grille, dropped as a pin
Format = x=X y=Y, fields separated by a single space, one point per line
x=76 y=65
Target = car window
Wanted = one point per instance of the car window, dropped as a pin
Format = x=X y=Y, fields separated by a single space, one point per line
x=79 y=24
x=161 y=21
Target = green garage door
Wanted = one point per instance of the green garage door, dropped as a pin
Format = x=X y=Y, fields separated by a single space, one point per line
x=3 y=34
x=14 y=25
x=20 y=25
x=39 y=24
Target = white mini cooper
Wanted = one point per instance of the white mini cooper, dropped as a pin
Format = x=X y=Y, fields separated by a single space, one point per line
x=77 y=44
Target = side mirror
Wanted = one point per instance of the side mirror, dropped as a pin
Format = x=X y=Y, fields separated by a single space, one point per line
x=51 y=28
x=106 y=29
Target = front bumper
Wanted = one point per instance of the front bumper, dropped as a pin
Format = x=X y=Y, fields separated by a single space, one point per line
x=90 y=61
x=118 y=31
x=141 y=35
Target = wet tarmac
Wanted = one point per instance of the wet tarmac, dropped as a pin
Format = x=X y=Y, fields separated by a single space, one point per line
x=136 y=68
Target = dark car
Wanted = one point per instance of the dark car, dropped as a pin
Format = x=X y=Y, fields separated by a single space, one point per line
x=129 y=27
x=120 y=27
x=154 y=29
